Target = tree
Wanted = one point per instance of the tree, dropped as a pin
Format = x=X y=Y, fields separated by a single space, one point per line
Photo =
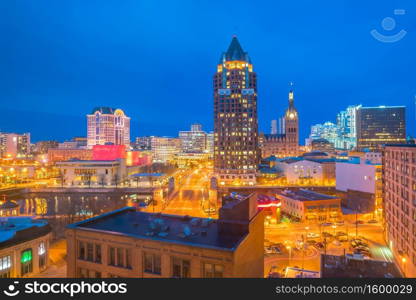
x=102 y=180
x=61 y=177
x=116 y=179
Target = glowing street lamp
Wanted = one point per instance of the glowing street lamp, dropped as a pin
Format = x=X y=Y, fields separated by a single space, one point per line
x=290 y=253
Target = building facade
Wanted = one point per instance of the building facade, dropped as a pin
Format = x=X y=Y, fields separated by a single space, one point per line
x=306 y=205
x=107 y=125
x=286 y=143
x=164 y=149
x=92 y=172
x=307 y=171
x=129 y=243
x=381 y=125
x=360 y=178
x=193 y=141
x=143 y=143
x=322 y=145
x=236 y=151
x=24 y=247
x=399 y=192
x=13 y=145
x=56 y=154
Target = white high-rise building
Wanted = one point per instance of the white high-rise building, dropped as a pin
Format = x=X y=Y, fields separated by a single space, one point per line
x=108 y=126
x=273 y=127
x=14 y=145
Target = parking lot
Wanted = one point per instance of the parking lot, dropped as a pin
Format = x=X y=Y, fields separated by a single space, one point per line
x=300 y=245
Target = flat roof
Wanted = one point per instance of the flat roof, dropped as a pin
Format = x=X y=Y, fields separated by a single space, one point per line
x=305 y=195
x=15 y=230
x=80 y=161
x=185 y=230
x=401 y=145
x=147 y=175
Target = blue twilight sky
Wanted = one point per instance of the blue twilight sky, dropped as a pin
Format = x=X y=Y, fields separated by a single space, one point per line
x=156 y=59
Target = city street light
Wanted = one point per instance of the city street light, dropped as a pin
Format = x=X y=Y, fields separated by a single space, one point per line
x=404 y=260
x=290 y=253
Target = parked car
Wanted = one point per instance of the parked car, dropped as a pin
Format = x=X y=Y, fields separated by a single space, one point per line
x=336 y=243
x=268 y=250
x=327 y=235
x=274 y=272
x=319 y=245
x=343 y=238
x=359 y=222
x=359 y=242
x=372 y=221
x=362 y=252
x=312 y=235
x=326 y=224
x=362 y=248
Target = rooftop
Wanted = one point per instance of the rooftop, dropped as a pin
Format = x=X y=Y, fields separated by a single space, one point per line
x=401 y=145
x=80 y=161
x=333 y=266
x=235 y=52
x=103 y=110
x=9 y=204
x=197 y=232
x=16 y=230
x=315 y=153
x=148 y=175
x=355 y=160
x=305 y=195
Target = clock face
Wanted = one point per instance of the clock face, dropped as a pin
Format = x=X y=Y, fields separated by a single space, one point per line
x=292 y=115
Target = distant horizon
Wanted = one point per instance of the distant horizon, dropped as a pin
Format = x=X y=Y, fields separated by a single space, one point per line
x=58 y=64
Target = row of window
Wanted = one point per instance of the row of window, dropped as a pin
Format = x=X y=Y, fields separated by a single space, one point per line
x=152 y=263
x=26 y=261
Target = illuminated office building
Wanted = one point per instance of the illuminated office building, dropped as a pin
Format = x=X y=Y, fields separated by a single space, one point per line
x=381 y=125
x=108 y=126
x=194 y=140
x=236 y=151
x=164 y=149
x=14 y=145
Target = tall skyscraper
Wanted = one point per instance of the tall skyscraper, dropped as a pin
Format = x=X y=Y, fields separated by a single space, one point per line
x=108 y=126
x=236 y=152
x=381 y=125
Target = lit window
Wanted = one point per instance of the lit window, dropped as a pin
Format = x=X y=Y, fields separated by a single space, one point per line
x=41 y=248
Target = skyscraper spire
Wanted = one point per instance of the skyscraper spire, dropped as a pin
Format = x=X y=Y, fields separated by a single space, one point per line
x=235 y=51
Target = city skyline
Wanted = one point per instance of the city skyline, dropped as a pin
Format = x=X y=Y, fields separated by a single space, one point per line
x=67 y=72
x=143 y=140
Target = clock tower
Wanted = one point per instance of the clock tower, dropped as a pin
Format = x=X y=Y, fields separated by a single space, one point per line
x=292 y=125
